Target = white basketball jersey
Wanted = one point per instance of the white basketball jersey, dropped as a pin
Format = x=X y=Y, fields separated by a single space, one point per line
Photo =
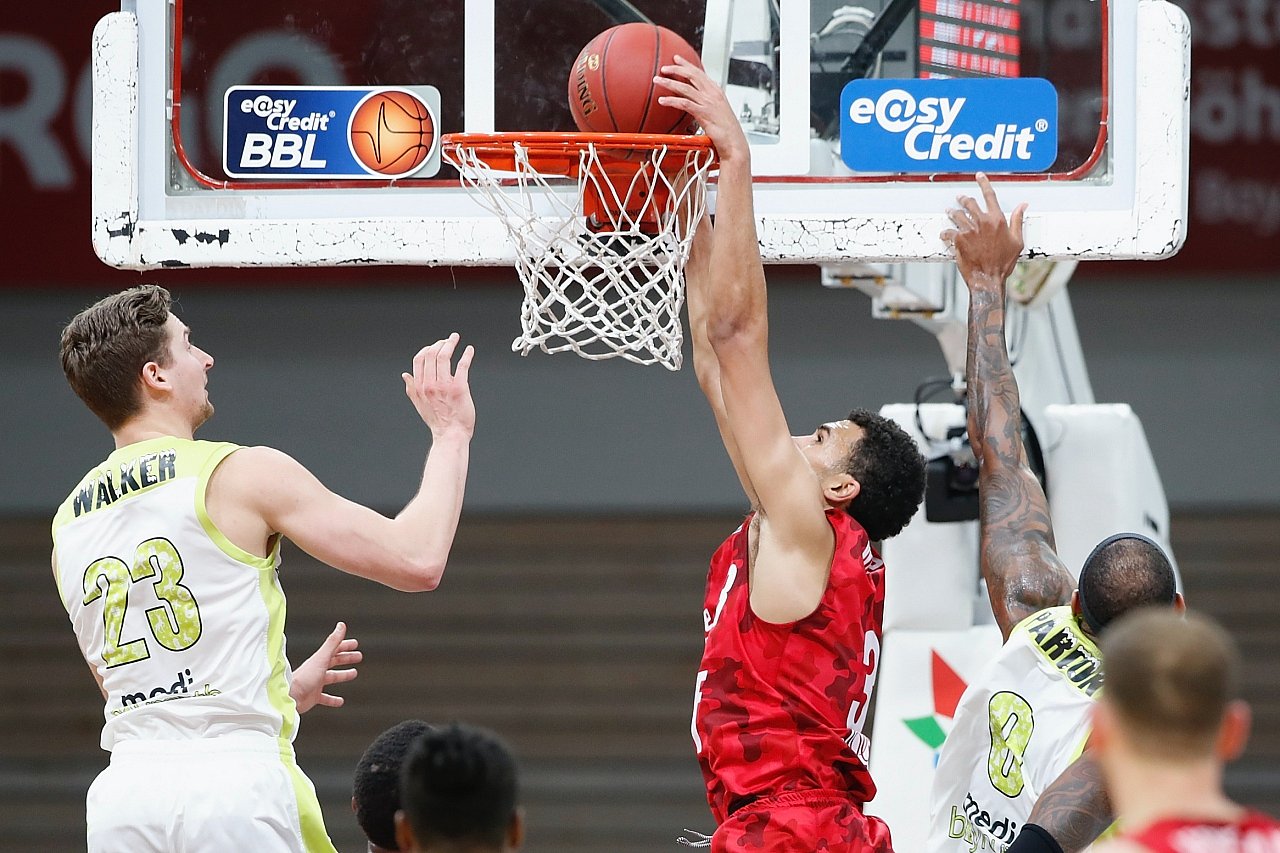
x=1017 y=727
x=185 y=628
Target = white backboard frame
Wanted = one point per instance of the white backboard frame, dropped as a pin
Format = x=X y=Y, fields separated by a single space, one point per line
x=1137 y=209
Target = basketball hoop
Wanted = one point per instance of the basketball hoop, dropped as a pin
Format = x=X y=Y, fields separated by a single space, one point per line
x=603 y=268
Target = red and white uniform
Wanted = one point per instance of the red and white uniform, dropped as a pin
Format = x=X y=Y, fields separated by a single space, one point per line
x=779 y=708
x=1253 y=833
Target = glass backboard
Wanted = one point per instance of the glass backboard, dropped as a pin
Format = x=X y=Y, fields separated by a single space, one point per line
x=1113 y=184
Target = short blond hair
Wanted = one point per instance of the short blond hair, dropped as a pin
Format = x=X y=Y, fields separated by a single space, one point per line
x=1170 y=678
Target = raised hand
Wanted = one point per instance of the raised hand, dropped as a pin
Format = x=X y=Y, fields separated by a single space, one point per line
x=319 y=671
x=698 y=95
x=986 y=245
x=439 y=393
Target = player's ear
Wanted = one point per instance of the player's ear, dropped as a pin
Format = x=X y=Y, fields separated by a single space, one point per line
x=1103 y=725
x=515 y=829
x=404 y=833
x=1179 y=603
x=1075 y=603
x=354 y=810
x=1233 y=733
x=152 y=376
x=840 y=488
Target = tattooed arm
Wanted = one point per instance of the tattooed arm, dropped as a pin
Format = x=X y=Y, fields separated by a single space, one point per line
x=1022 y=570
x=1075 y=808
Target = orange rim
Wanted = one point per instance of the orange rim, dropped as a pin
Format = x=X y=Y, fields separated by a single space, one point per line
x=558 y=153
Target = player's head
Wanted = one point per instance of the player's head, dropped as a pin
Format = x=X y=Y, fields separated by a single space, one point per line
x=1172 y=692
x=1123 y=572
x=868 y=465
x=458 y=792
x=375 y=790
x=128 y=352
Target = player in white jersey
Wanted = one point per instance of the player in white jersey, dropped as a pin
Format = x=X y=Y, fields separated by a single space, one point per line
x=166 y=557
x=1025 y=719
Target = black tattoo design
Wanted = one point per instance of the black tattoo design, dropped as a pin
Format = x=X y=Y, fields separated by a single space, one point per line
x=1022 y=571
x=1075 y=808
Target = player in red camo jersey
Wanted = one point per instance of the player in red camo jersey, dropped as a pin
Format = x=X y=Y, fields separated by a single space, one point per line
x=795 y=596
x=1168 y=720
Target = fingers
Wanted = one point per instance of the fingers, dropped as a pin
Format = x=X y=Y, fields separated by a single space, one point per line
x=1015 y=221
x=962 y=219
x=970 y=204
x=335 y=639
x=989 y=194
x=949 y=237
x=339 y=676
x=464 y=364
x=420 y=362
x=330 y=701
x=684 y=69
x=433 y=363
x=678 y=87
x=444 y=356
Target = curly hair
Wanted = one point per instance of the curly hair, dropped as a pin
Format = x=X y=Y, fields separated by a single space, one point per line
x=376 y=786
x=890 y=469
x=104 y=347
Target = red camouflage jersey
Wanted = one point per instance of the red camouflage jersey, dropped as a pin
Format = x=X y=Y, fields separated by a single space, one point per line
x=1253 y=833
x=780 y=707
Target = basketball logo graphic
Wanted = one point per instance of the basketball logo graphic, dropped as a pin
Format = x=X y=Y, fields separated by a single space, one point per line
x=392 y=132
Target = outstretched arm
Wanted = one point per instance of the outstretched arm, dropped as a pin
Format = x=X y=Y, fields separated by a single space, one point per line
x=1075 y=808
x=258 y=492
x=737 y=328
x=705 y=363
x=1021 y=568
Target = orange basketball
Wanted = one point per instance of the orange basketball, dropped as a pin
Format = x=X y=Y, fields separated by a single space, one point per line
x=611 y=88
x=392 y=133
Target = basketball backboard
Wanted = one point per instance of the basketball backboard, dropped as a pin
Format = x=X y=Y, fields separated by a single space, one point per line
x=1103 y=86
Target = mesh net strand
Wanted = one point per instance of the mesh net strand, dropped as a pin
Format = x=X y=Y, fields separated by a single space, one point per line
x=602 y=268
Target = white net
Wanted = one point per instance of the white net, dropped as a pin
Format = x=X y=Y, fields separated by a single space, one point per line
x=602 y=268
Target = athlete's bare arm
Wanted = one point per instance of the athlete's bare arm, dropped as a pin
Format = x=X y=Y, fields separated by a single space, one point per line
x=795 y=542
x=1075 y=808
x=259 y=492
x=1022 y=570
x=705 y=363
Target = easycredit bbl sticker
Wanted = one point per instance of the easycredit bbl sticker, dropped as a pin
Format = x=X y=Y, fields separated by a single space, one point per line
x=938 y=126
x=372 y=132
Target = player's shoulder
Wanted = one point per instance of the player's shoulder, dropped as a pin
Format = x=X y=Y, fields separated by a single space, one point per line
x=256 y=468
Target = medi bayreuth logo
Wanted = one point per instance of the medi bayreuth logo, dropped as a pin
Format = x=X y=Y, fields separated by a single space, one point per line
x=331 y=132
x=940 y=126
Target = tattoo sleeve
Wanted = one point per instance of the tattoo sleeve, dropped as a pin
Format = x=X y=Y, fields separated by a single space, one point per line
x=1075 y=808
x=1022 y=570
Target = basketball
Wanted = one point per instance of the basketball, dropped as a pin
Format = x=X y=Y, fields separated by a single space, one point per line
x=392 y=133
x=611 y=88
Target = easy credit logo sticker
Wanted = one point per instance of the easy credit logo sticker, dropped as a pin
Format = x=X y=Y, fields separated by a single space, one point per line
x=940 y=126
x=315 y=132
